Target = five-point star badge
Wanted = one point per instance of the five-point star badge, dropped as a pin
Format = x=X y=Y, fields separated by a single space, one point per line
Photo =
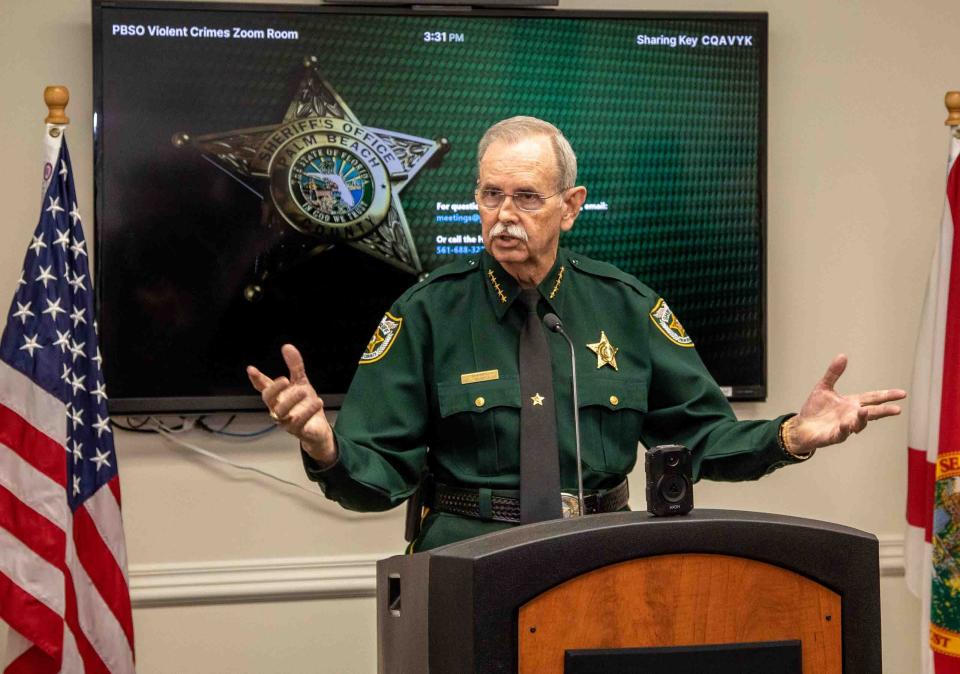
x=606 y=352
x=324 y=173
x=537 y=399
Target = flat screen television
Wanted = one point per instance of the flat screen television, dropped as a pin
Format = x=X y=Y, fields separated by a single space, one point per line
x=268 y=174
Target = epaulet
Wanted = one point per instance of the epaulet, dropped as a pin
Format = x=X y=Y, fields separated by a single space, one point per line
x=456 y=268
x=607 y=270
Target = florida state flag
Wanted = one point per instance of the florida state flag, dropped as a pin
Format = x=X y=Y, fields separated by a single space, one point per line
x=933 y=491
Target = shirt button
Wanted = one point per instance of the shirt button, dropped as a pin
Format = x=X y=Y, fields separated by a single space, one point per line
x=614 y=400
x=479 y=402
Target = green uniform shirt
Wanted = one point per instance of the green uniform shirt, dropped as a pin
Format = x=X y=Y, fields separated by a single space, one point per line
x=413 y=402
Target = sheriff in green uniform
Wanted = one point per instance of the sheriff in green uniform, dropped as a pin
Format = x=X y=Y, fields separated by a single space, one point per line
x=438 y=388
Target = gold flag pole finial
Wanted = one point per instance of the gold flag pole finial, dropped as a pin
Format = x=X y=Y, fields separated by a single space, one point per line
x=56 y=97
x=952 y=101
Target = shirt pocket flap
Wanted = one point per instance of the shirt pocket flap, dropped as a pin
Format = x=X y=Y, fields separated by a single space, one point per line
x=455 y=397
x=614 y=394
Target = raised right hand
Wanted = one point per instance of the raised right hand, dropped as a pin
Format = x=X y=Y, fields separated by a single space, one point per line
x=296 y=407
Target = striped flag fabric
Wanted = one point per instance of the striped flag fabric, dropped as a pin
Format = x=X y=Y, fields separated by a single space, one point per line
x=932 y=548
x=63 y=567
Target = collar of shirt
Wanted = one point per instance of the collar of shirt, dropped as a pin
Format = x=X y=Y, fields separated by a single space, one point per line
x=503 y=289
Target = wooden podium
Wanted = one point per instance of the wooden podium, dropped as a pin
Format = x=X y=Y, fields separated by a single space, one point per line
x=629 y=592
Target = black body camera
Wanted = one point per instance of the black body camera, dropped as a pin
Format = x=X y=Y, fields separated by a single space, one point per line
x=669 y=480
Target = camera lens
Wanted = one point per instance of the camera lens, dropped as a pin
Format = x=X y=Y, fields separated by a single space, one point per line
x=673 y=488
x=672 y=460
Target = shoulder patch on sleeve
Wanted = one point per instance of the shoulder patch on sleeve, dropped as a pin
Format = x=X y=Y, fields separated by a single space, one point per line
x=383 y=338
x=667 y=323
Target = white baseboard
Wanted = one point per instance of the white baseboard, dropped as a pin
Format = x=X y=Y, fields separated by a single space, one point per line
x=284 y=579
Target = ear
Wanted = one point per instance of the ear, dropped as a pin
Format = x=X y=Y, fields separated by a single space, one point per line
x=573 y=201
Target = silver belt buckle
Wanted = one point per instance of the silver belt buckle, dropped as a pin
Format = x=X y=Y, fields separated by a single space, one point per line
x=570 y=505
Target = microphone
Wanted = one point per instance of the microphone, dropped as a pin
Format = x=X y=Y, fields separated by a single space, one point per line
x=552 y=323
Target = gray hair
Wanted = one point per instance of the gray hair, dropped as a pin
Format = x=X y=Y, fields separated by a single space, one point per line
x=516 y=129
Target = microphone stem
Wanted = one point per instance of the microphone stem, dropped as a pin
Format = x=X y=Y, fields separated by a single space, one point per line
x=576 y=418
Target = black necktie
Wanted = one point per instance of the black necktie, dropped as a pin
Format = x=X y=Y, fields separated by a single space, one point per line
x=539 y=456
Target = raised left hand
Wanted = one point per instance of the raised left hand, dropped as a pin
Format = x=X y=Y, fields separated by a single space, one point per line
x=828 y=418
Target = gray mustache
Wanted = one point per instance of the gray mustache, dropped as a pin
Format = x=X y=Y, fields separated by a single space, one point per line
x=513 y=230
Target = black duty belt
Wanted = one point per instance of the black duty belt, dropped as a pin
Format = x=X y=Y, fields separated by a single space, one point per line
x=490 y=504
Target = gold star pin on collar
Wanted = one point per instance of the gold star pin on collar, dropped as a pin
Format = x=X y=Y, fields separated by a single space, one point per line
x=606 y=352
x=537 y=399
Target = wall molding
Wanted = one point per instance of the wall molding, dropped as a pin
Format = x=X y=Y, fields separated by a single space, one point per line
x=300 y=578
x=253 y=580
x=891 y=555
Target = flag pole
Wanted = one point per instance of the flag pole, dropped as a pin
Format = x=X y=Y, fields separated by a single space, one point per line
x=952 y=101
x=57 y=96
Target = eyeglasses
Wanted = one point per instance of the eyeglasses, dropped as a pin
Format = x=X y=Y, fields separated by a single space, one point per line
x=491 y=198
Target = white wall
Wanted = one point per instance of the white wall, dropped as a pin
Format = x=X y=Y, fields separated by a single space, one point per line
x=856 y=148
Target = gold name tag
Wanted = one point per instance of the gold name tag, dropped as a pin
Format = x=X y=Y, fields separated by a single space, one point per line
x=474 y=377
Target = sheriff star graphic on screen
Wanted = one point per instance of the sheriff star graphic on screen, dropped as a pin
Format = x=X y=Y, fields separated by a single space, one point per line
x=325 y=174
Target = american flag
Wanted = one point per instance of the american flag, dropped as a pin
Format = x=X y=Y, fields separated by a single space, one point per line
x=63 y=566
